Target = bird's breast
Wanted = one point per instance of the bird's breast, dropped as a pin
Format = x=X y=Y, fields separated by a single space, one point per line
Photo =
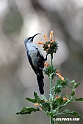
x=32 y=51
x=35 y=55
x=30 y=47
x=34 y=58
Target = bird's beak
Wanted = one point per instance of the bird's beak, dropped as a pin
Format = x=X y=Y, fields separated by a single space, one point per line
x=35 y=35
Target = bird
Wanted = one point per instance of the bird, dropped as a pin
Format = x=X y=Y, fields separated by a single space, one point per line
x=36 y=60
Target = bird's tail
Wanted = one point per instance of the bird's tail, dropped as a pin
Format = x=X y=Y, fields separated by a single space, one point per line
x=40 y=82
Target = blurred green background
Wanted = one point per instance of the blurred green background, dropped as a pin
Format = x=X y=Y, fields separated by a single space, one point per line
x=20 y=19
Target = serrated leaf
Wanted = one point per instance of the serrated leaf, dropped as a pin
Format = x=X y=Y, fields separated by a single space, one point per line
x=28 y=110
x=31 y=100
x=79 y=99
x=37 y=98
x=67 y=111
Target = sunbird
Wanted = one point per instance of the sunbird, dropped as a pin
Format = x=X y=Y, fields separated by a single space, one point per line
x=36 y=60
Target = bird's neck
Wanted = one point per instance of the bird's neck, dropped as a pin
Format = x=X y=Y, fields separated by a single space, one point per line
x=29 y=45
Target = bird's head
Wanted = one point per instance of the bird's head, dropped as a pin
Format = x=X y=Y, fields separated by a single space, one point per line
x=30 y=39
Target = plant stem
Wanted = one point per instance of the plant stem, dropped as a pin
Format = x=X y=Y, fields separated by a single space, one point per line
x=50 y=86
x=51 y=118
x=51 y=76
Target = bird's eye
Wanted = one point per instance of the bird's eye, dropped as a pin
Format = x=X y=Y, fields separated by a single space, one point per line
x=29 y=38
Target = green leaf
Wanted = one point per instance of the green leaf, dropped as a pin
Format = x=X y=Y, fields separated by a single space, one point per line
x=46 y=106
x=54 y=105
x=73 y=93
x=50 y=70
x=57 y=89
x=76 y=85
x=66 y=111
x=28 y=110
x=72 y=82
x=44 y=98
x=31 y=100
x=63 y=83
x=59 y=101
x=37 y=98
x=50 y=113
x=79 y=99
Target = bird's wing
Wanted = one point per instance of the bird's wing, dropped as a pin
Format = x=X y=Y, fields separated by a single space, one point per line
x=30 y=61
x=40 y=58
